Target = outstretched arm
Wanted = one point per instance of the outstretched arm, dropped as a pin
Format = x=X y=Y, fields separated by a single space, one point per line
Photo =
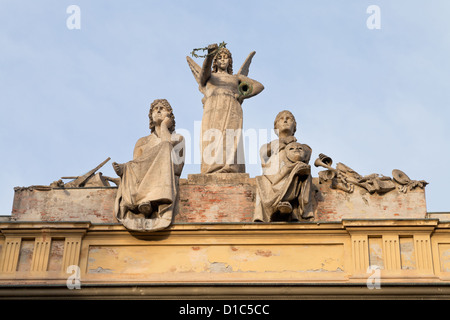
x=206 y=68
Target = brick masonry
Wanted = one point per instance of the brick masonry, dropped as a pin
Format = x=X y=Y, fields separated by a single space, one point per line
x=335 y=205
x=58 y=204
x=216 y=198
x=225 y=198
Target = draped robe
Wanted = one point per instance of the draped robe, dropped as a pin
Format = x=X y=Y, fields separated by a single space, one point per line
x=221 y=132
x=151 y=177
x=280 y=182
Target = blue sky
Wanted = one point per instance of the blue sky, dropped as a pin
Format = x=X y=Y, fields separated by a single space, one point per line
x=375 y=100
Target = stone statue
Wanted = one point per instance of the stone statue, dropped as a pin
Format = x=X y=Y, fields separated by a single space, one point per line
x=284 y=191
x=147 y=193
x=221 y=132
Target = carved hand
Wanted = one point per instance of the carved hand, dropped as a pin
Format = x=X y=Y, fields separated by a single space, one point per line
x=212 y=47
x=303 y=169
x=118 y=168
x=167 y=122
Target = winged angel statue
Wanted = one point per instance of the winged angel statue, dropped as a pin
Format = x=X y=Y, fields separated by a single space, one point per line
x=221 y=138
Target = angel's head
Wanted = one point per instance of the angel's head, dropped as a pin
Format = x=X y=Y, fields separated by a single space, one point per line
x=223 y=60
x=160 y=109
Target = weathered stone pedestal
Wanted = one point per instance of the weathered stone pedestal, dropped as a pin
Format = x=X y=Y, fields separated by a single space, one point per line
x=216 y=198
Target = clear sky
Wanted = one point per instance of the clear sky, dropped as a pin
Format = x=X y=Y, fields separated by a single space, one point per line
x=373 y=99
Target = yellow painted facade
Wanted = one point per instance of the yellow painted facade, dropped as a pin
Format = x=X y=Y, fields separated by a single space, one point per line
x=302 y=258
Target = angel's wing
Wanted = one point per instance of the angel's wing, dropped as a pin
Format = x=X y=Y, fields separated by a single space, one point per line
x=196 y=71
x=195 y=68
x=246 y=65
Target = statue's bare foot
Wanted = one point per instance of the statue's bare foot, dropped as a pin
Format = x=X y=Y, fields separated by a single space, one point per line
x=284 y=207
x=226 y=169
x=145 y=208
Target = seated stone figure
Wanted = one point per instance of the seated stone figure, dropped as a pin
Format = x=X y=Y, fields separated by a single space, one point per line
x=283 y=192
x=147 y=193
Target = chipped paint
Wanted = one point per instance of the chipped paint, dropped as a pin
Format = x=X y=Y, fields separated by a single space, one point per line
x=376 y=252
x=220 y=267
x=263 y=253
x=100 y=270
x=445 y=257
x=217 y=259
x=407 y=253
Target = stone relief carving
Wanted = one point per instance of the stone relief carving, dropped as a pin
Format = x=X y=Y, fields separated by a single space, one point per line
x=147 y=194
x=92 y=178
x=224 y=93
x=405 y=183
x=284 y=191
x=345 y=178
